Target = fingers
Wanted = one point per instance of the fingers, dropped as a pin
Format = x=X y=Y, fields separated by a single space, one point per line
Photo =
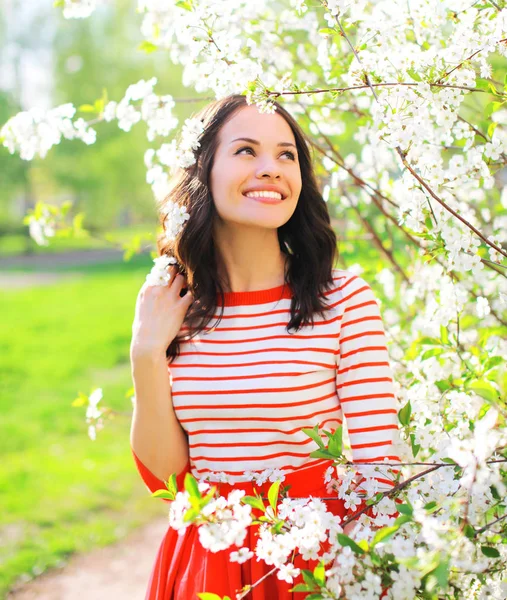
x=173 y=272
x=187 y=299
x=178 y=284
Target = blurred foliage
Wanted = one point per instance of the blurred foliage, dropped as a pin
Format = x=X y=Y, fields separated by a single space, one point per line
x=105 y=180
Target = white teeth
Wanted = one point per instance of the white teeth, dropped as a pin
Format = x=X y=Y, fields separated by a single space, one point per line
x=265 y=194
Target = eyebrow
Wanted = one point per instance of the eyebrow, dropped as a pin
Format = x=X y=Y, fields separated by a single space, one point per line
x=246 y=139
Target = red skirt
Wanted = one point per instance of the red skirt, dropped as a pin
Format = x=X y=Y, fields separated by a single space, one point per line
x=183 y=568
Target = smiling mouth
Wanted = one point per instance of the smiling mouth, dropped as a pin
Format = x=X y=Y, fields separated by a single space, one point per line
x=265 y=199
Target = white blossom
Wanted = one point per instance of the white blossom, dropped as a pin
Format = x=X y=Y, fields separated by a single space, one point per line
x=35 y=131
x=175 y=220
x=241 y=556
x=287 y=572
x=78 y=9
x=159 y=274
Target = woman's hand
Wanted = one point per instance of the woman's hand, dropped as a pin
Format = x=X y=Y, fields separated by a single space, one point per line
x=159 y=314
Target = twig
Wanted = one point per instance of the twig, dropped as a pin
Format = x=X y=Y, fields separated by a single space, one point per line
x=251 y=587
x=483 y=529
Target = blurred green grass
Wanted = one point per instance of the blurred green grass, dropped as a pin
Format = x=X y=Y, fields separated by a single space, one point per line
x=61 y=492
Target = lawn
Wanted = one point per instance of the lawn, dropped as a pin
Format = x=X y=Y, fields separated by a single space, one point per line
x=60 y=492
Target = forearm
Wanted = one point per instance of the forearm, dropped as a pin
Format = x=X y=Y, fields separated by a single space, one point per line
x=156 y=435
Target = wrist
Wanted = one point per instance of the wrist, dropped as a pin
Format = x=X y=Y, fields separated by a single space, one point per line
x=140 y=354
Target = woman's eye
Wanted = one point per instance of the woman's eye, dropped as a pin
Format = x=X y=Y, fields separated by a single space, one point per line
x=291 y=154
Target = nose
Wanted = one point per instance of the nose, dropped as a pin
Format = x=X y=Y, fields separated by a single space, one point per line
x=269 y=168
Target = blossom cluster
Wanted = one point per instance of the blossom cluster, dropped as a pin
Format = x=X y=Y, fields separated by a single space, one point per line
x=34 y=132
x=223 y=522
x=94 y=413
x=159 y=274
x=42 y=226
x=78 y=9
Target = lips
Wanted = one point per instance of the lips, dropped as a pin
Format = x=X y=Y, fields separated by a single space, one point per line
x=266 y=188
x=265 y=199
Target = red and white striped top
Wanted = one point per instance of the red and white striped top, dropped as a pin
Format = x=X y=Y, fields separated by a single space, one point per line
x=244 y=390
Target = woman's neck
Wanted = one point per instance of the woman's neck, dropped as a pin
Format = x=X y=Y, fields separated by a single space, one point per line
x=249 y=259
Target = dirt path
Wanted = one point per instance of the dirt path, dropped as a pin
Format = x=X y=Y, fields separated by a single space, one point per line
x=49 y=260
x=117 y=572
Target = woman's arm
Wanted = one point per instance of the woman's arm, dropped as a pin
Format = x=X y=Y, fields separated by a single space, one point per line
x=158 y=441
x=365 y=382
x=156 y=436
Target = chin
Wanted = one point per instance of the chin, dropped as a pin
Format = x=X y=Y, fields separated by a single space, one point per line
x=262 y=220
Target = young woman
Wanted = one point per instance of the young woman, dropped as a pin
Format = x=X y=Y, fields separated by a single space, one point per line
x=268 y=339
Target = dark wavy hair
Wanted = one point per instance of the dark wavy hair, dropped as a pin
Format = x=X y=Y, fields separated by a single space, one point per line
x=307 y=238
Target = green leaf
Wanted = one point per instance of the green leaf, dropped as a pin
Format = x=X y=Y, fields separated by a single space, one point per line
x=491 y=108
x=327 y=31
x=469 y=531
x=384 y=534
x=442 y=573
x=301 y=587
x=481 y=84
x=171 y=484
x=405 y=509
x=148 y=47
x=444 y=335
x=191 y=486
x=485 y=390
x=321 y=454
x=414 y=74
x=314 y=434
x=319 y=573
x=491 y=128
x=191 y=514
x=184 y=4
x=86 y=108
x=208 y=497
x=493 y=362
x=335 y=445
x=377 y=498
x=428 y=341
x=278 y=527
x=404 y=414
x=254 y=502
x=415 y=447
x=208 y=596
x=163 y=494
x=346 y=541
x=401 y=520
x=490 y=552
x=493 y=89
x=443 y=385
x=273 y=494
x=495 y=493
x=432 y=352
x=308 y=578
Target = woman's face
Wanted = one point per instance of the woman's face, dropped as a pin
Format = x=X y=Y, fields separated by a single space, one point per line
x=267 y=161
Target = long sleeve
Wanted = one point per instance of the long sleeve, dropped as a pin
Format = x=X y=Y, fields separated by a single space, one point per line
x=152 y=482
x=365 y=383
